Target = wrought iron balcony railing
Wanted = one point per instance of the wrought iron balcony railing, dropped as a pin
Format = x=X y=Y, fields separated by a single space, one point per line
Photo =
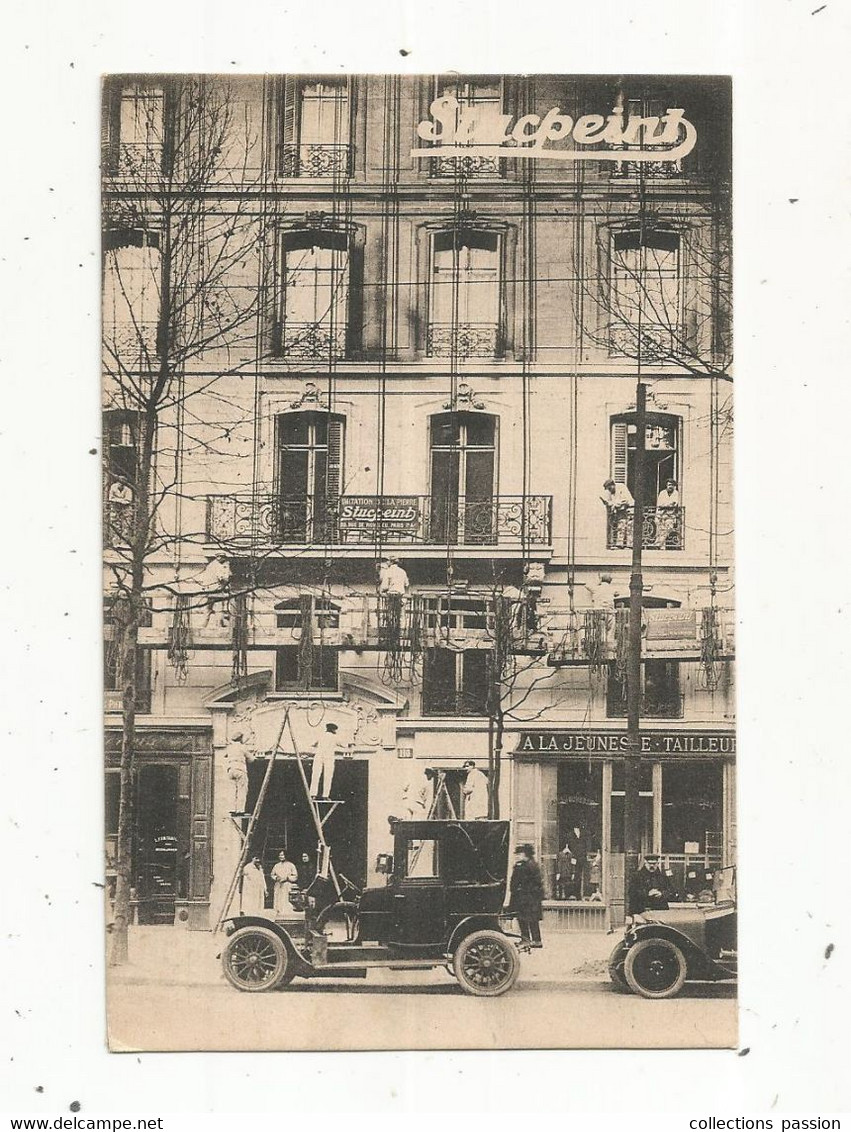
x=313 y=341
x=362 y=520
x=466 y=340
x=663 y=528
x=655 y=341
x=655 y=170
x=476 y=165
x=653 y=706
x=314 y=159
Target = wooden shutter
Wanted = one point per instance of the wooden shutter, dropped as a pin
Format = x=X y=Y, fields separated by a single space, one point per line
x=335 y=457
x=619 y=451
x=287 y=106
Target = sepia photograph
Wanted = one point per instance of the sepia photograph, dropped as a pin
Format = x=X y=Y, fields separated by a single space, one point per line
x=418 y=561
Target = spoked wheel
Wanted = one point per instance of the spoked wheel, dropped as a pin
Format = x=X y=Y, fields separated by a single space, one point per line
x=486 y=964
x=256 y=959
x=655 y=968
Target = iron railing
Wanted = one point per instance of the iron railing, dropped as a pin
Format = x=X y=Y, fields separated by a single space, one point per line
x=412 y=520
x=663 y=528
x=313 y=341
x=465 y=339
x=314 y=159
x=474 y=165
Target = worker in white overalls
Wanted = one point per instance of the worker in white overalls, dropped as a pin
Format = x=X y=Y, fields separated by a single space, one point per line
x=322 y=771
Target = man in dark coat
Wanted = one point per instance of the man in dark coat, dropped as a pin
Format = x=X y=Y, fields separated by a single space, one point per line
x=525 y=895
x=647 y=888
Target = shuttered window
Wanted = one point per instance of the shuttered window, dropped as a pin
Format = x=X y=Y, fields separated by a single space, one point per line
x=661 y=453
x=313 y=126
x=310 y=475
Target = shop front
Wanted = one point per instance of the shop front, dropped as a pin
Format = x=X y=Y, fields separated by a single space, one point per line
x=568 y=801
x=170 y=849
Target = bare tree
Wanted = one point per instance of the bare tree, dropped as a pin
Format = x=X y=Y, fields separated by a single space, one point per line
x=183 y=284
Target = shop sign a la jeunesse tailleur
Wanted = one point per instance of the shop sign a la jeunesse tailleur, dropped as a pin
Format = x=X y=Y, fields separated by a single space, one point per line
x=465 y=131
x=618 y=743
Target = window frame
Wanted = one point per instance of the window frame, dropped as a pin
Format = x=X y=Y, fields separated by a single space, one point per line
x=476 y=236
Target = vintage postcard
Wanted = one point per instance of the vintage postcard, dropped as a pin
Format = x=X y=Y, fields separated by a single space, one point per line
x=418 y=561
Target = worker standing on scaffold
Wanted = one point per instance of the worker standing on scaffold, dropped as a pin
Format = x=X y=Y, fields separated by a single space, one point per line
x=392 y=586
x=322 y=771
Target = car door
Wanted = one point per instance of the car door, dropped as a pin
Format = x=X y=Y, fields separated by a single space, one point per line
x=419 y=895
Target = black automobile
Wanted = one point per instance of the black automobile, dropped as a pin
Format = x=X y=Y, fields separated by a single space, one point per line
x=663 y=950
x=440 y=906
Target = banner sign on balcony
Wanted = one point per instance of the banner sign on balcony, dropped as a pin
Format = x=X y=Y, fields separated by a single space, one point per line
x=467 y=131
x=671 y=625
x=401 y=513
x=617 y=743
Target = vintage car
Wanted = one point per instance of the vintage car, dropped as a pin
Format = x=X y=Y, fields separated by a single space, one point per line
x=662 y=950
x=440 y=906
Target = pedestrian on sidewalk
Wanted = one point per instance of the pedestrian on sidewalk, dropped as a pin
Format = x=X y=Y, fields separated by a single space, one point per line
x=525 y=895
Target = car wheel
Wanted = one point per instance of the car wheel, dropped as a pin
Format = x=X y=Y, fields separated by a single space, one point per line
x=616 y=960
x=655 y=968
x=256 y=959
x=486 y=964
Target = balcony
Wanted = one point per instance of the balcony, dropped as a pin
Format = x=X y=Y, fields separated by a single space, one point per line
x=656 y=341
x=652 y=170
x=363 y=521
x=314 y=159
x=662 y=529
x=653 y=706
x=464 y=340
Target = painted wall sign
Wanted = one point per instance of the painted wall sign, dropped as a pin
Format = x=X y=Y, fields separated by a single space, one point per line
x=397 y=513
x=617 y=743
x=463 y=131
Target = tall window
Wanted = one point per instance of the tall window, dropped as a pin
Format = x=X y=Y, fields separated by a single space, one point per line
x=660 y=691
x=456 y=682
x=463 y=474
x=647 y=109
x=309 y=665
x=645 y=292
x=313 y=311
x=664 y=515
x=133 y=122
x=314 y=127
x=310 y=473
x=464 y=294
x=479 y=101
x=131 y=292
x=111 y=661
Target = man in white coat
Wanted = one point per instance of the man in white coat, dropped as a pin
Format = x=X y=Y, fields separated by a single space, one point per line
x=322 y=771
x=253 y=895
x=475 y=791
x=284 y=876
x=237 y=758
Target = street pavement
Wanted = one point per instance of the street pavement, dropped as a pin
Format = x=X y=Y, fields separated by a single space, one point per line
x=172 y=995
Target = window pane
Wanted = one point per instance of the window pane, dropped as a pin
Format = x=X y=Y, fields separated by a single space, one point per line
x=422 y=858
x=476 y=671
x=439 y=682
x=445 y=430
x=481 y=430
x=691 y=805
x=286 y=667
x=293 y=428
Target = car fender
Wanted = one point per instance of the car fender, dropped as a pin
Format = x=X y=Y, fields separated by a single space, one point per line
x=698 y=963
x=300 y=965
x=472 y=924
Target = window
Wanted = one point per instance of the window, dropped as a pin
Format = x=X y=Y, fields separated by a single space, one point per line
x=664 y=515
x=480 y=100
x=463 y=474
x=691 y=807
x=111 y=674
x=650 y=110
x=309 y=665
x=645 y=807
x=579 y=872
x=422 y=859
x=309 y=473
x=133 y=124
x=313 y=314
x=645 y=294
x=660 y=691
x=464 y=294
x=456 y=682
x=313 y=127
x=131 y=293
x=121 y=438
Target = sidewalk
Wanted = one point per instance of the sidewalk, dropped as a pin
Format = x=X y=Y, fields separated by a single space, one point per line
x=170 y=956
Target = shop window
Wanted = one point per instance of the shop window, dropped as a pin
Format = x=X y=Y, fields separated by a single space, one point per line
x=312 y=319
x=661 y=697
x=133 y=124
x=313 y=127
x=691 y=808
x=661 y=489
x=456 y=682
x=479 y=99
x=465 y=288
x=463 y=478
x=579 y=865
x=309 y=476
x=644 y=292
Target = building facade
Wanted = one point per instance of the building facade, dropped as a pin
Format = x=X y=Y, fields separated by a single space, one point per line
x=431 y=357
